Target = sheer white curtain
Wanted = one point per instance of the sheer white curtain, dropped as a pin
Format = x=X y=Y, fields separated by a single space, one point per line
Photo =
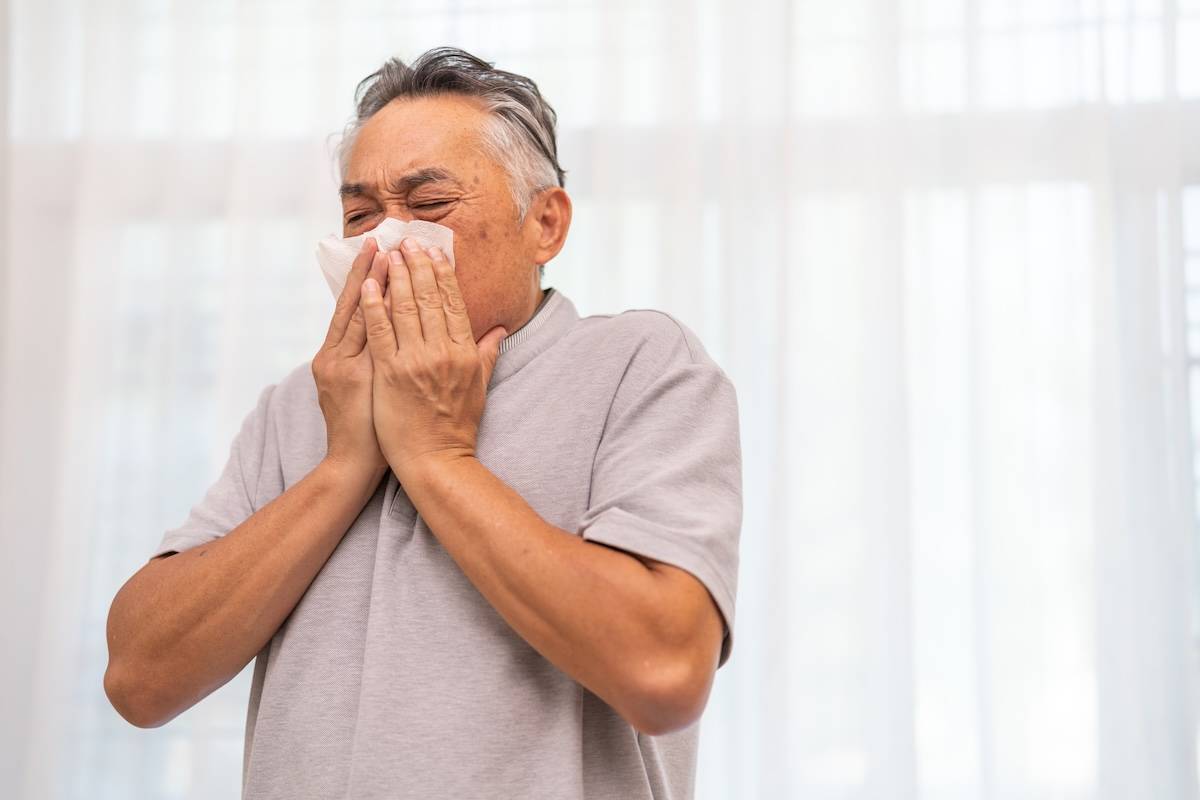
x=948 y=250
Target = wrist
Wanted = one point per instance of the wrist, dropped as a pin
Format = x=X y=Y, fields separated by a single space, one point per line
x=352 y=474
x=417 y=471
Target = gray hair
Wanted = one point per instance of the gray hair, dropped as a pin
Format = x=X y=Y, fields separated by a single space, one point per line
x=519 y=134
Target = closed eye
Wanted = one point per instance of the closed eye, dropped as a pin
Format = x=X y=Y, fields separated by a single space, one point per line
x=352 y=219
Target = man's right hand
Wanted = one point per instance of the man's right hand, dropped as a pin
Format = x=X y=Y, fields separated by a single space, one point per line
x=342 y=370
x=185 y=624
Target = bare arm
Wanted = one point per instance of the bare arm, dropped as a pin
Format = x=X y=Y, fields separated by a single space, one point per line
x=184 y=625
x=642 y=635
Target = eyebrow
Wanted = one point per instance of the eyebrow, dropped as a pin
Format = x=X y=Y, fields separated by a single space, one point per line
x=403 y=184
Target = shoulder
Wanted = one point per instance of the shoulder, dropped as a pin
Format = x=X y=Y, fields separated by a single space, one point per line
x=650 y=355
x=287 y=423
x=645 y=335
x=290 y=399
x=297 y=384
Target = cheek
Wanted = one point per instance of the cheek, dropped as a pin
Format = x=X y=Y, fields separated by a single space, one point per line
x=470 y=272
x=484 y=248
x=481 y=286
x=467 y=285
x=487 y=259
x=492 y=236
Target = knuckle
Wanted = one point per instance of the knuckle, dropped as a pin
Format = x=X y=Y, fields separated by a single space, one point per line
x=404 y=306
x=429 y=299
x=454 y=301
x=379 y=327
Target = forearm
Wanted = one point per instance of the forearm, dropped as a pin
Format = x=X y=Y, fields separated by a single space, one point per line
x=594 y=612
x=183 y=625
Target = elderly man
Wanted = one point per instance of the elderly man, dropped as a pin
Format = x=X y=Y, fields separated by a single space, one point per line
x=526 y=597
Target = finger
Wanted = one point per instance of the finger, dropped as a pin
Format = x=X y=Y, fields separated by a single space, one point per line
x=347 y=301
x=406 y=317
x=489 y=351
x=385 y=280
x=381 y=340
x=379 y=269
x=356 y=333
x=458 y=323
x=425 y=292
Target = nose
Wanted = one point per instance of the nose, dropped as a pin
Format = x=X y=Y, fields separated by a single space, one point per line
x=398 y=211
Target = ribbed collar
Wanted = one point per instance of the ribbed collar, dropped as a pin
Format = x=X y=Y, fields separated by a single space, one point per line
x=553 y=316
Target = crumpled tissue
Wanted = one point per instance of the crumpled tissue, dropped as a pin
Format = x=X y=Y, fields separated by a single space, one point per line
x=336 y=255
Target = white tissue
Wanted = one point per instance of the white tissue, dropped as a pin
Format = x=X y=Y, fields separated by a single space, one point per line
x=336 y=255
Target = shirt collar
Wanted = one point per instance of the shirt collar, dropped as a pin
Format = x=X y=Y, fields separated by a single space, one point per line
x=553 y=316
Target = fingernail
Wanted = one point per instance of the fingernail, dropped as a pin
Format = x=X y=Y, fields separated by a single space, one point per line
x=436 y=252
x=410 y=245
x=394 y=256
x=370 y=286
x=370 y=240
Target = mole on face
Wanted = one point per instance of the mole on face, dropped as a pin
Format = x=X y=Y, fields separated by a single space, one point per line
x=483 y=232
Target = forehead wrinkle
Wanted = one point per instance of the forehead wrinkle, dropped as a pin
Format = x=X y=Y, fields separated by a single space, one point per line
x=402 y=184
x=406 y=183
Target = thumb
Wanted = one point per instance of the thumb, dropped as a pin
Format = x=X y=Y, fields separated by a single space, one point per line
x=489 y=351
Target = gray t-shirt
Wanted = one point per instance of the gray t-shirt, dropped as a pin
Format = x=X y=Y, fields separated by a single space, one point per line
x=393 y=676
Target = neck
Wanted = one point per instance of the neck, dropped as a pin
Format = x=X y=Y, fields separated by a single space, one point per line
x=534 y=299
x=531 y=306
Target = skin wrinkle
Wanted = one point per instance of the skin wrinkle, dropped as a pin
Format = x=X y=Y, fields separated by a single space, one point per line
x=404 y=184
x=439 y=139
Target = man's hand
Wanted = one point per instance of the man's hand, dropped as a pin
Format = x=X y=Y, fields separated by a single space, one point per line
x=343 y=370
x=430 y=377
x=643 y=636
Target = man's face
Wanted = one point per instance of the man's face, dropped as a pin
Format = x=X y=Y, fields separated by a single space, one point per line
x=422 y=159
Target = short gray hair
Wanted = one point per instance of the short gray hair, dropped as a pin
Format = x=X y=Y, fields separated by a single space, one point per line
x=519 y=134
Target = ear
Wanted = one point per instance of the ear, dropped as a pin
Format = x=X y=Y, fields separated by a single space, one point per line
x=547 y=222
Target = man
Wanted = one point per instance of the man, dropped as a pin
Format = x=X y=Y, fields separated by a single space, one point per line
x=481 y=547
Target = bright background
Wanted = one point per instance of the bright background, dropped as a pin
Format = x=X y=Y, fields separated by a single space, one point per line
x=948 y=251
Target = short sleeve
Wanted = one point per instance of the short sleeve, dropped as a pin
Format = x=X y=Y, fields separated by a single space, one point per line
x=666 y=481
x=229 y=501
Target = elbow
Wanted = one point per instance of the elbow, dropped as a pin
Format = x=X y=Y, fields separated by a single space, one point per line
x=131 y=700
x=670 y=695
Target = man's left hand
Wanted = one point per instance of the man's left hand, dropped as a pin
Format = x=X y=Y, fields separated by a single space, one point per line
x=430 y=377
